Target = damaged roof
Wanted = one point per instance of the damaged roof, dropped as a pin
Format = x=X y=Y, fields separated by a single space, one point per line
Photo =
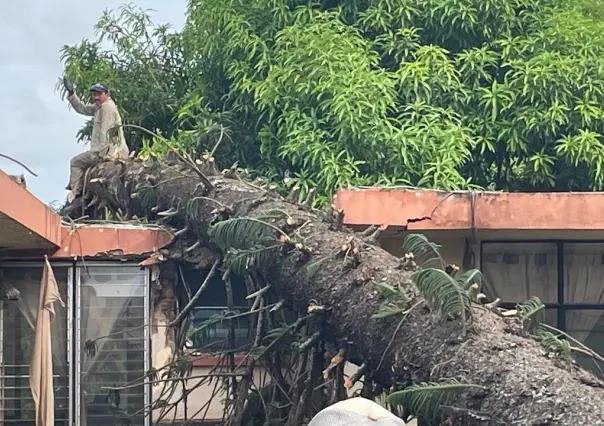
x=31 y=229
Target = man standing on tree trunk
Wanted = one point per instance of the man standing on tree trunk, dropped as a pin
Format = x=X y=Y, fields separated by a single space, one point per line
x=107 y=138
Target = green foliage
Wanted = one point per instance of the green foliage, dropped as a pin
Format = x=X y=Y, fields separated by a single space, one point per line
x=280 y=337
x=248 y=242
x=242 y=261
x=152 y=149
x=425 y=253
x=466 y=279
x=395 y=297
x=553 y=341
x=146 y=195
x=424 y=400
x=532 y=314
x=200 y=335
x=554 y=345
x=313 y=267
x=437 y=93
x=143 y=70
x=443 y=294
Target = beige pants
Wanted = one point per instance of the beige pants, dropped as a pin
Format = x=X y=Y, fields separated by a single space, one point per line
x=79 y=164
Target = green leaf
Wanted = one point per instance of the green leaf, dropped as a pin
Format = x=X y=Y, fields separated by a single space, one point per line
x=386 y=311
x=424 y=400
x=467 y=278
x=242 y=261
x=443 y=294
x=242 y=233
x=425 y=252
x=532 y=313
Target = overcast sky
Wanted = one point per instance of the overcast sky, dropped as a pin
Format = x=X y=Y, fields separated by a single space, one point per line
x=36 y=127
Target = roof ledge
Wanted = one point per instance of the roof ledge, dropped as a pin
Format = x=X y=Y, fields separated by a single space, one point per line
x=425 y=210
x=23 y=207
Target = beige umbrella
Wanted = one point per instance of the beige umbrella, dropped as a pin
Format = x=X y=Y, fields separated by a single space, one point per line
x=40 y=369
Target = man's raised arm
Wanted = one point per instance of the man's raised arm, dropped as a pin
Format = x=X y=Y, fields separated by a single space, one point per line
x=76 y=103
x=81 y=107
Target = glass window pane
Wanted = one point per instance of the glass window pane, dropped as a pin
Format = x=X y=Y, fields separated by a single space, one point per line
x=17 y=327
x=112 y=341
x=211 y=333
x=515 y=272
x=551 y=317
x=584 y=273
x=587 y=326
x=215 y=293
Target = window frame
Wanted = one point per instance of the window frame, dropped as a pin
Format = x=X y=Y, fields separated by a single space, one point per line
x=209 y=348
x=205 y=304
x=561 y=305
x=76 y=393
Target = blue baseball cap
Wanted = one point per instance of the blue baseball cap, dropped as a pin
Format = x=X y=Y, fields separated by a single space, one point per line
x=99 y=87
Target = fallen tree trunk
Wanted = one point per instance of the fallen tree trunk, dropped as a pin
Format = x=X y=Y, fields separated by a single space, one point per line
x=519 y=385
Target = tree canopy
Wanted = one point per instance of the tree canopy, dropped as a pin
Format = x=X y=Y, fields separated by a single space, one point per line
x=449 y=94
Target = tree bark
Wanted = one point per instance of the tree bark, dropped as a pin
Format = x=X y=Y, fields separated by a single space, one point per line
x=524 y=386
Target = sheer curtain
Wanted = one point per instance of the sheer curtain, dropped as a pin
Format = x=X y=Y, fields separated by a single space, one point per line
x=515 y=272
x=583 y=283
x=107 y=295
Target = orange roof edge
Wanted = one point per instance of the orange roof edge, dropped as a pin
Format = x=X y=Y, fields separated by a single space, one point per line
x=111 y=240
x=79 y=240
x=23 y=207
x=420 y=209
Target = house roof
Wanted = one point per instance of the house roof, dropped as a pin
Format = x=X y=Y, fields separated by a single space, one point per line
x=30 y=228
x=431 y=210
x=25 y=221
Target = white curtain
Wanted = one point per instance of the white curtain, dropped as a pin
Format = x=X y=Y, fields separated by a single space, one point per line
x=583 y=283
x=104 y=296
x=515 y=272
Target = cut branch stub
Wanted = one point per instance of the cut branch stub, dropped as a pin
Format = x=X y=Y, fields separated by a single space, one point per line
x=367 y=232
x=294 y=194
x=310 y=197
x=339 y=221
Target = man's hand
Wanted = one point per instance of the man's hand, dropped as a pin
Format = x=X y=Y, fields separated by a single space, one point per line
x=68 y=86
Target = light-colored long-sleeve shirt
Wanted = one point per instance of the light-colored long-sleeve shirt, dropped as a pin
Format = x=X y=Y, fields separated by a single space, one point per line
x=105 y=116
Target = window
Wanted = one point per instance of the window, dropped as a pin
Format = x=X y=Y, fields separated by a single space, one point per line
x=17 y=321
x=568 y=277
x=515 y=272
x=209 y=335
x=106 y=304
x=112 y=314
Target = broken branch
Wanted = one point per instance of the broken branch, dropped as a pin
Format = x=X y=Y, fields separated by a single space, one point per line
x=19 y=163
x=185 y=311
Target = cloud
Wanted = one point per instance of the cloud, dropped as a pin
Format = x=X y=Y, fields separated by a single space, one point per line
x=36 y=127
